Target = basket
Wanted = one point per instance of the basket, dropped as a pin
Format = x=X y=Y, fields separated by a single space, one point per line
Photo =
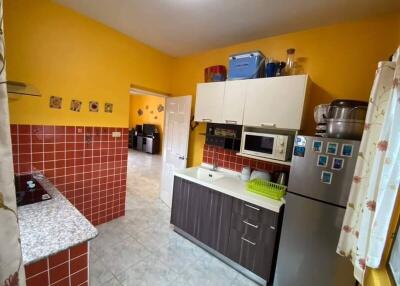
x=266 y=188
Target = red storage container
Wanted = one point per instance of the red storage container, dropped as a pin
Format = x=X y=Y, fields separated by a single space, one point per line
x=215 y=73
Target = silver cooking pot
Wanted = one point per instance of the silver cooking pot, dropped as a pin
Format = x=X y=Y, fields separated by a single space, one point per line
x=347 y=109
x=344 y=128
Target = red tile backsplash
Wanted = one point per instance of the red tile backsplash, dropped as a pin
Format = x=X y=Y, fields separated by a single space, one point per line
x=86 y=164
x=69 y=268
x=229 y=160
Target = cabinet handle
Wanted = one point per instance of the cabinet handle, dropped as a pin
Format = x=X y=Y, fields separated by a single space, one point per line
x=254 y=208
x=181 y=158
x=231 y=121
x=248 y=241
x=250 y=224
x=206 y=120
x=272 y=227
x=268 y=124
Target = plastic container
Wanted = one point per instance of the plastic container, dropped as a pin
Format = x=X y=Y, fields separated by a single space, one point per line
x=266 y=189
x=246 y=65
x=215 y=73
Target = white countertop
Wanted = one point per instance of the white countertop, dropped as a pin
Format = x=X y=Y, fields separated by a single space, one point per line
x=230 y=184
x=51 y=226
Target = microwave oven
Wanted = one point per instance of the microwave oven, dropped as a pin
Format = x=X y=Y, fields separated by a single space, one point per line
x=271 y=146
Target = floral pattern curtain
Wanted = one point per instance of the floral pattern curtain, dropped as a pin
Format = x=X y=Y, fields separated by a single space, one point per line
x=11 y=268
x=377 y=174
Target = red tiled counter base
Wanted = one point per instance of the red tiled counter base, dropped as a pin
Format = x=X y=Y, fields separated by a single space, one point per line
x=67 y=268
x=229 y=160
x=86 y=164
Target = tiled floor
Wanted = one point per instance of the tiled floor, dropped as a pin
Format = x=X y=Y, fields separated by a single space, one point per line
x=142 y=249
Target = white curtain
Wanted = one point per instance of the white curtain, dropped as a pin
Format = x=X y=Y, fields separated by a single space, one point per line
x=11 y=268
x=377 y=174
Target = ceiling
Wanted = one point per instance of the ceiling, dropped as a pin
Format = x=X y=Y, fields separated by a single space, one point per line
x=183 y=27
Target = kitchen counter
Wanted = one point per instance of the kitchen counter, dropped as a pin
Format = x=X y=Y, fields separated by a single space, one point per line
x=51 y=226
x=229 y=183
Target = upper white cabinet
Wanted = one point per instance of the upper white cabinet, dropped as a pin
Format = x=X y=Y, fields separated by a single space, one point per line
x=209 y=102
x=264 y=102
x=234 y=101
x=275 y=102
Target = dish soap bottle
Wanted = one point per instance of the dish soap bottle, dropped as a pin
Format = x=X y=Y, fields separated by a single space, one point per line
x=290 y=67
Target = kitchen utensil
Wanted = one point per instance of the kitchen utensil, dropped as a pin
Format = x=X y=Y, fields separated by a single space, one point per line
x=320 y=113
x=345 y=128
x=266 y=188
x=260 y=175
x=245 y=175
x=270 y=69
x=282 y=179
x=348 y=109
x=279 y=68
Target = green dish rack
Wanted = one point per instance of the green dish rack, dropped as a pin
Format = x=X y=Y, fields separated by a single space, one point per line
x=266 y=188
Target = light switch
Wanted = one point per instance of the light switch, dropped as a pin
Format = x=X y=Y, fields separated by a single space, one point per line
x=116 y=134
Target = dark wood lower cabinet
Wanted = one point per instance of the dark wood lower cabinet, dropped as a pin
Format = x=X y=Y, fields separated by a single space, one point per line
x=245 y=233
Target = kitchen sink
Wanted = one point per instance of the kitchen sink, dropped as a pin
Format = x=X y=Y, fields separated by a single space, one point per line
x=208 y=175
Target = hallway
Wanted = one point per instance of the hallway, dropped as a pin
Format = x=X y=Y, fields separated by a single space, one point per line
x=142 y=249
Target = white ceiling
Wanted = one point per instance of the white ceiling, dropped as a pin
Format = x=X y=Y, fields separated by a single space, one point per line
x=182 y=27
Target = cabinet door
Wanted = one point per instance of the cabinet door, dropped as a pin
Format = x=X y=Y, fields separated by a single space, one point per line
x=275 y=102
x=216 y=220
x=203 y=213
x=234 y=101
x=252 y=239
x=209 y=102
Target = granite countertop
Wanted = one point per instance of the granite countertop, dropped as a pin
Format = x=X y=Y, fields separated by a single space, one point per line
x=51 y=226
x=230 y=184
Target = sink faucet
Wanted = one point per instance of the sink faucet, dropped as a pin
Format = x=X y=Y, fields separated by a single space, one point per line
x=215 y=162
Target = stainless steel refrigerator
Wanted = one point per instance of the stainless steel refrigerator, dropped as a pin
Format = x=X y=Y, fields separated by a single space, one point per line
x=319 y=183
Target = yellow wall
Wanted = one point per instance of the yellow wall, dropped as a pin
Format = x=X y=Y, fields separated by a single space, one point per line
x=341 y=60
x=152 y=102
x=66 y=54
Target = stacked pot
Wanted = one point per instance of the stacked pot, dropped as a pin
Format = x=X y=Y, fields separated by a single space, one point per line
x=345 y=119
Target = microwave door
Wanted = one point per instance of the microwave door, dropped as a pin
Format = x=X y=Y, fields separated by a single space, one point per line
x=256 y=144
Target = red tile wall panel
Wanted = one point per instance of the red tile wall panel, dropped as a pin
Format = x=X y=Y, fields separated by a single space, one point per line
x=86 y=164
x=229 y=160
x=66 y=268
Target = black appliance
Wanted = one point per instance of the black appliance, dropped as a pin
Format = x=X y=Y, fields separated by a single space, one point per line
x=28 y=195
x=145 y=138
x=149 y=129
x=227 y=136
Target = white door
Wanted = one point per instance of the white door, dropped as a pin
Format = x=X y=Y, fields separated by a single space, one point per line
x=275 y=102
x=176 y=142
x=234 y=101
x=209 y=102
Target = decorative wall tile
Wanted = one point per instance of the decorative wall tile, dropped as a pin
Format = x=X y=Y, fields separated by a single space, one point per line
x=108 y=107
x=76 y=105
x=86 y=164
x=229 y=160
x=93 y=106
x=160 y=108
x=55 y=102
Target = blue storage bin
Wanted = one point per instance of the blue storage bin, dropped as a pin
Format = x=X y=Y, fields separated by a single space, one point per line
x=246 y=65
